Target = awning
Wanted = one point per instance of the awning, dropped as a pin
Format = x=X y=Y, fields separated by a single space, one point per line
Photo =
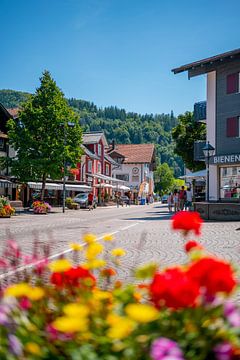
x=73 y=187
x=103 y=185
x=106 y=178
x=122 y=187
x=54 y=186
x=194 y=175
x=7 y=184
x=48 y=186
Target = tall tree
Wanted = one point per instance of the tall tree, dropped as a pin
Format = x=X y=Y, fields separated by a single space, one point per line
x=42 y=137
x=163 y=178
x=185 y=134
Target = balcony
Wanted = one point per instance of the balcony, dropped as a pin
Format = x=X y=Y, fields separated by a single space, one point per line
x=200 y=111
x=198 y=150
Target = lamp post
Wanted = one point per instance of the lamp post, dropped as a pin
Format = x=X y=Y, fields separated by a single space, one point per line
x=208 y=151
x=69 y=124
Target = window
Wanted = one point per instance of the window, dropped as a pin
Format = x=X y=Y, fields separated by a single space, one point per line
x=99 y=149
x=107 y=169
x=99 y=167
x=233 y=127
x=124 y=177
x=230 y=182
x=233 y=83
x=135 y=178
x=90 y=166
x=118 y=160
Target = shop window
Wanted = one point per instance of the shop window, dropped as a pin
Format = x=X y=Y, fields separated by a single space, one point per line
x=233 y=83
x=233 y=127
x=230 y=183
x=124 y=177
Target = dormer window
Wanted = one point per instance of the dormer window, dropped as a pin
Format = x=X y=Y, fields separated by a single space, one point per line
x=99 y=149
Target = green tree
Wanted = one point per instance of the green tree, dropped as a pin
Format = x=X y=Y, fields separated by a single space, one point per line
x=41 y=137
x=185 y=134
x=163 y=178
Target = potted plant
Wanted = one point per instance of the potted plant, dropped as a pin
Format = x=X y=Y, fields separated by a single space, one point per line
x=41 y=207
x=6 y=210
x=71 y=204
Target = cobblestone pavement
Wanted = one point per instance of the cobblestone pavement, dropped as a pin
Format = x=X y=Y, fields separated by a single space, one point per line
x=144 y=231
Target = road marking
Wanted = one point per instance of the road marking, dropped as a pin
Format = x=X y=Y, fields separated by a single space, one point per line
x=25 y=267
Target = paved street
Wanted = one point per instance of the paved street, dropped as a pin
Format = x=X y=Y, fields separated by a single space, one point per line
x=144 y=231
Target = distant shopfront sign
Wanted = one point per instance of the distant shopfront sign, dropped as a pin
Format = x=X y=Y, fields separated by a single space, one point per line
x=225 y=159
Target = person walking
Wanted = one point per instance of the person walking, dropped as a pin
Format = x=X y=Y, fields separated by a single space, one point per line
x=175 y=201
x=188 y=203
x=90 y=201
x=182 y=198
x=170 y=202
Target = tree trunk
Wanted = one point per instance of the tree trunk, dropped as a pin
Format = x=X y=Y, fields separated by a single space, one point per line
x=43 y=186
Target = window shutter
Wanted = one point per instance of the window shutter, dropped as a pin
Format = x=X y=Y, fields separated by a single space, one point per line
x=233 y=83
x=232 y=127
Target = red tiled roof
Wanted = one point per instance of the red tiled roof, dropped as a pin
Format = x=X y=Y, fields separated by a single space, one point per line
x=13 y=112
x=136 y=153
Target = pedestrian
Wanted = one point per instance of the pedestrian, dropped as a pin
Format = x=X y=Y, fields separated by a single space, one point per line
x=147 y=199
x=182 y=198
x=188 y=203
x=175 y=201
x=170 y=202
x=90 y=201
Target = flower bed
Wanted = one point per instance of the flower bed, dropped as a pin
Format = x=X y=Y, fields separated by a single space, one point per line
x=41 y=207
x=6 y=210
x=86 y=313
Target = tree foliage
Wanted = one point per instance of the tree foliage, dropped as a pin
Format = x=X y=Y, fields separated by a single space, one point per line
x=185 y=134
x=41 y=136
x=163 y=178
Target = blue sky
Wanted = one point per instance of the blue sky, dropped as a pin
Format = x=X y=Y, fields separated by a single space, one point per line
x=115 y=52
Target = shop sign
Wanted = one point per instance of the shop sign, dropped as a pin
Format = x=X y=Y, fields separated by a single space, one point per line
x=225 y=159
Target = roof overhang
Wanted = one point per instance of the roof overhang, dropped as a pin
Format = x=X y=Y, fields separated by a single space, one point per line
x=208 y=64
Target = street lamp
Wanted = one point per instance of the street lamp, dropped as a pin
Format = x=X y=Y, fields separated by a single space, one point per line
x=208 y=151
x=69 y=124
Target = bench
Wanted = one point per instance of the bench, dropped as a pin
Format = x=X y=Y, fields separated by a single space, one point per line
x=18 y=206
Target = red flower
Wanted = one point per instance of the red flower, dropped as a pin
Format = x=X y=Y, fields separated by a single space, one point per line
x=174 y=289
x=187 y=221
x=75 y=277
x=74 y=171
x=214 y=275
x=192 y=244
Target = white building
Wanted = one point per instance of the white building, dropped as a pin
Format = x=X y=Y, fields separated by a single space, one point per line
x=136 y=165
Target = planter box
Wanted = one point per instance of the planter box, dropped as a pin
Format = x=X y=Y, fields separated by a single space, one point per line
x=5 y=216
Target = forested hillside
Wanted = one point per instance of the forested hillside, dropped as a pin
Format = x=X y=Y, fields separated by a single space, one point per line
x=119 y=125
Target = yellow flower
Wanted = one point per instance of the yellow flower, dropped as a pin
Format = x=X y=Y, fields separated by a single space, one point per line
x=68 y=324
x=18 y=290
x=94 y=264
x=89 y=238
x=76 y=310
x=93 y=250
x=118 y=252
x=36 y=293
x=33 y=348
x=142 y=313
x=108 y=237
x=101 y=295
x=76 y=247
x=60 y=265
x=121 y=328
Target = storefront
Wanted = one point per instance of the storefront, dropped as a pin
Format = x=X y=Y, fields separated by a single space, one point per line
x=228 y=181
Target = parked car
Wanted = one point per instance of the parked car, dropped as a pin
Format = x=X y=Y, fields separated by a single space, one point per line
x=124 y=200
x=82 y=200
x=164 y=199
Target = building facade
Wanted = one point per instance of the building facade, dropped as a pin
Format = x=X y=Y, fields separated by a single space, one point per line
x=136 y=165
x=222 y=110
